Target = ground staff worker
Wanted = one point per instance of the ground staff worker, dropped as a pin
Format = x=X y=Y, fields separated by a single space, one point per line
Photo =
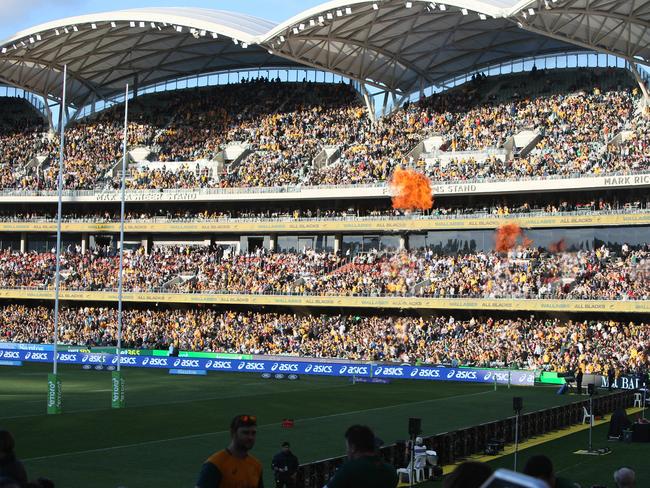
x=285 y=467
x=233 y=467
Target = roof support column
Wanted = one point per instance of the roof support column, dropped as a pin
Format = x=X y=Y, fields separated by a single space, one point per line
x=639 y=80
x=370 y=103
x=48 y=112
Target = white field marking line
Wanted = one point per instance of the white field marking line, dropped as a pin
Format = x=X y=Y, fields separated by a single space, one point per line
x=176 y=402
x=205 y=434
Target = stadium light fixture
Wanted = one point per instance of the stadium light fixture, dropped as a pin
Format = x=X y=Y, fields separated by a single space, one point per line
x=56 y=32
x=179 y=28
x=215 y=35
x=4 y=50
x=38 y=37
x=312 y=22
x=93 y=26
x=31 y=40
x=463 y=11
x=153 y=25
x=409 y=4
x=482 y=16
x=295 y=30
x=531 y=11
x=141 y=24
x=75 y=28
x=525 y=15
x=269 y=51
x=301 y=27
x=442 y=7
x=329 y=16
x=348 y=11
x=375 y=6
x=65 y=29
x=339 y=13
x=235 y=41
x=321 y=19
x=202 y=33
x=132 y=24
x=113 y=25
x=244 y=45
x=281 y=38
x=22 y=43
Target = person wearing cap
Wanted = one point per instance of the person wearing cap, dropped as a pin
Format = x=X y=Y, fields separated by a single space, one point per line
x=233 y=467
x=285 y=467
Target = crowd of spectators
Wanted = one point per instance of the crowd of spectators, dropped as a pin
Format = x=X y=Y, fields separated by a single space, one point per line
x=287 y=125
x=526 y=341
x=499 y=207
x=522 y=273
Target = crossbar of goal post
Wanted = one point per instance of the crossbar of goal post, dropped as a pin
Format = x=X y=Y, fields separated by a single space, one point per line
x=117 y=380
x=54 y=400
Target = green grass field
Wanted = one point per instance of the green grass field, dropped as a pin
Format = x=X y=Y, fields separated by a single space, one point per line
x=172 y=423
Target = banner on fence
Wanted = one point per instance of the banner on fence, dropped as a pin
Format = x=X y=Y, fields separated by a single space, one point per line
x=521 y=378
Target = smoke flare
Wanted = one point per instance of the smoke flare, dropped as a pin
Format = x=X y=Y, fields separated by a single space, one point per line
x=507 y=237
x=411 y=190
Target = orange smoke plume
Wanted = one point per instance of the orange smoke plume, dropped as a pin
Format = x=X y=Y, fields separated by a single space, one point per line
x=411 y=190
x=557 y=247
x=509 y=235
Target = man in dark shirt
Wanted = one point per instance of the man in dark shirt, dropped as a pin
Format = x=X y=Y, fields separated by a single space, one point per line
x=10 y=467
x=364 y=468
x=579 y=380
x=233 y=467
x=285 y=467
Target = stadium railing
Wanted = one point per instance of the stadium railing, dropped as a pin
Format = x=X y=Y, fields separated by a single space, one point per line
x=459 y=444
x=141 y=194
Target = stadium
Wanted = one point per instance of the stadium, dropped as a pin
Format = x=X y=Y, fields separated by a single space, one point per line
x=430 y=218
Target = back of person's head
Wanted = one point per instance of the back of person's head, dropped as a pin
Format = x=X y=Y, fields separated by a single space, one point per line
x=540 y=467
x=625 y=478
x=470 y=474
x=8 y=483
x=361 y=438
x=7 y=444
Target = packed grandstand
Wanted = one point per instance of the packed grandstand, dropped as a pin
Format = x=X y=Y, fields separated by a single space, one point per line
x=261 y=213
x=198 y=223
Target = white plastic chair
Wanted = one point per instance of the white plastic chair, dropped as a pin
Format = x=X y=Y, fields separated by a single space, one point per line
x=587 y=416
x=404 y=474
x=638 y=400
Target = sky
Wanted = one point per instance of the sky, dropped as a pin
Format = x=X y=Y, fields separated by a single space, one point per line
x=17 y=15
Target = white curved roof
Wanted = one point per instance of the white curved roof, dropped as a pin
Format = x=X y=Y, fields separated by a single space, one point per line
x=404 y=45
x=144 y=46
x=618 y=27
x=401 y=45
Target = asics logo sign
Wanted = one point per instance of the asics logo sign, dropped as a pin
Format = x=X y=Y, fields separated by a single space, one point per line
x=155 y=362
x=425 y=373
x=390 y=371
x=187 y=363
x=354 y=370
x=218 y=365
x=250 y=366
x=10 y=354
x=319 y=369
x=66 y=357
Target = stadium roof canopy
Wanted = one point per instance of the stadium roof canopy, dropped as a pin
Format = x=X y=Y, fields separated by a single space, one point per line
x=398 y=45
